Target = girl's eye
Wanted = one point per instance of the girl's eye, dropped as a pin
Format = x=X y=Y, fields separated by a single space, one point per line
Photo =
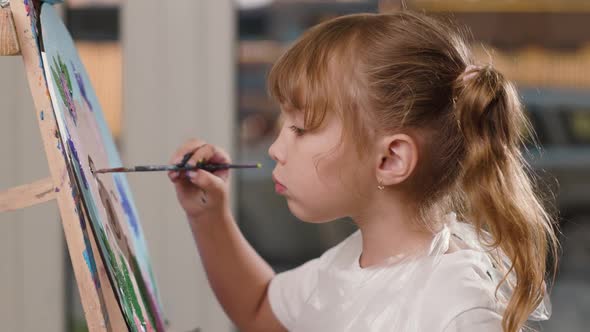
x=298 y=131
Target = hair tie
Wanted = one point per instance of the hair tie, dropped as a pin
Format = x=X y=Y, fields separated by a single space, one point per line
x=470 y=71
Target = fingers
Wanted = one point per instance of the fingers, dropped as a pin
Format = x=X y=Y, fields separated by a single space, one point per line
x=188 y=146
x=180 y=154
x=201 y=192
x=173 y=175
x=221 y=157
x=205 y=180
x=210 y=153
x=208 y=182
x=201 y=152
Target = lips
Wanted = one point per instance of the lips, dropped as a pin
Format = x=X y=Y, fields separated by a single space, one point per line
x=279 y=187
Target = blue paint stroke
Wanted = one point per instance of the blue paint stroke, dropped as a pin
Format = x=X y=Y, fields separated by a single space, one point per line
x=126 y=204
x=77 y=159
x=42 y=115
x=89 y=261
x=89 y=258
x=81 y=86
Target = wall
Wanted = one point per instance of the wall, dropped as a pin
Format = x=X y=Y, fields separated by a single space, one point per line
x=178 y=64
x=32 y=249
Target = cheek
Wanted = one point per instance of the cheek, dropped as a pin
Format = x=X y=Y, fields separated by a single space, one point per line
x=338 y=172
x=348 y=180
x=326 y=193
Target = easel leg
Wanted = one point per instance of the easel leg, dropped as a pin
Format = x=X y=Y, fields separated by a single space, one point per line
x=27 y=195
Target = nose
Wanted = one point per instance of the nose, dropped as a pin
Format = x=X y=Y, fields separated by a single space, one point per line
x=275 y=151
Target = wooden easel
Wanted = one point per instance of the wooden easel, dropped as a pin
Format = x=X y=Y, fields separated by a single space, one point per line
x=101 y=309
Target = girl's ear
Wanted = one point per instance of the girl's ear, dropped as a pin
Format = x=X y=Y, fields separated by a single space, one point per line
x=397 y=159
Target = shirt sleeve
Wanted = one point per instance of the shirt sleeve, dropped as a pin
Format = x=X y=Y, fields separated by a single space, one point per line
x=476 y=319
x=289 y=290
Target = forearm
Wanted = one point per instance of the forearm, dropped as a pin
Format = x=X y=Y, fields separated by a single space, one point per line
x=237 y=274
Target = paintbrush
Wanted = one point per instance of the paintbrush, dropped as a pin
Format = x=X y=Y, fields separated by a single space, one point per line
x=210 y=167
x=181 y=166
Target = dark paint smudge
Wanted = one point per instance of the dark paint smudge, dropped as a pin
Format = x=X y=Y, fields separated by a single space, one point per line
x=40 y=195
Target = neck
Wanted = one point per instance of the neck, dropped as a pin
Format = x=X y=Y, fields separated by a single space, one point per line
x=387 y=229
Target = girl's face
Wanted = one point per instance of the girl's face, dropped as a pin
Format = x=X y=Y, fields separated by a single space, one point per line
x=321 y=177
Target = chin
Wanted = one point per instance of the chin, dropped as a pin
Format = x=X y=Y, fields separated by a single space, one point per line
x=308 y=216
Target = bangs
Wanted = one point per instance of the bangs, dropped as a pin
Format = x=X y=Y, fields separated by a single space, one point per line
x=309 y=76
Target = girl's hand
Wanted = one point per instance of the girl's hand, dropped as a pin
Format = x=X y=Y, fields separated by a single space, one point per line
x=201 y=194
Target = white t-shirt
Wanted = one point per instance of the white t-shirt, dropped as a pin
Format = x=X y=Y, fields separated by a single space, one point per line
x=435 y=292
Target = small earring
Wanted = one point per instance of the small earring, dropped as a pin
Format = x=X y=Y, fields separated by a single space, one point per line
x=380 y=186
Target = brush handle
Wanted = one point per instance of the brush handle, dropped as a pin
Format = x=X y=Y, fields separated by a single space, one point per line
x=185 y=159
x=215 y=167
x=158 y=168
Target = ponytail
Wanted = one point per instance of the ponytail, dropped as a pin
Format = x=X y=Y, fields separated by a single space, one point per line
x=497 y=187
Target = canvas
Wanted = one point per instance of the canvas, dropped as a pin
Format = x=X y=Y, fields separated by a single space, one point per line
x=104 y=201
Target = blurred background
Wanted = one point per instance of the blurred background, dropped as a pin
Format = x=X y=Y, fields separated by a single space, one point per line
x=166 y=71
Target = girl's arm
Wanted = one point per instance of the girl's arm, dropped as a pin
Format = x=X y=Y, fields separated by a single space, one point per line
x=238 y=276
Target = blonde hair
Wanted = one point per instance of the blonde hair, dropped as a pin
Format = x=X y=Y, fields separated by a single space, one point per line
x=403 y=71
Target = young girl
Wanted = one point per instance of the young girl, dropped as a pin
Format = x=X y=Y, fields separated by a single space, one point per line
x=386 y=120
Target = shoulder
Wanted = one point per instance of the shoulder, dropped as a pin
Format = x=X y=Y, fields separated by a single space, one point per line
x=460 y=286
x=289 y=290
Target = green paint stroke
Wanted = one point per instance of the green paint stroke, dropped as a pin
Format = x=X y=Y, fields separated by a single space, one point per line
x=129 y=288
x=63 y=83
x=124 y=298
x=143 y=291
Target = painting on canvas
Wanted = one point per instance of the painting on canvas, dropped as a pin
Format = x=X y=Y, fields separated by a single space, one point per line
x=105 y=199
